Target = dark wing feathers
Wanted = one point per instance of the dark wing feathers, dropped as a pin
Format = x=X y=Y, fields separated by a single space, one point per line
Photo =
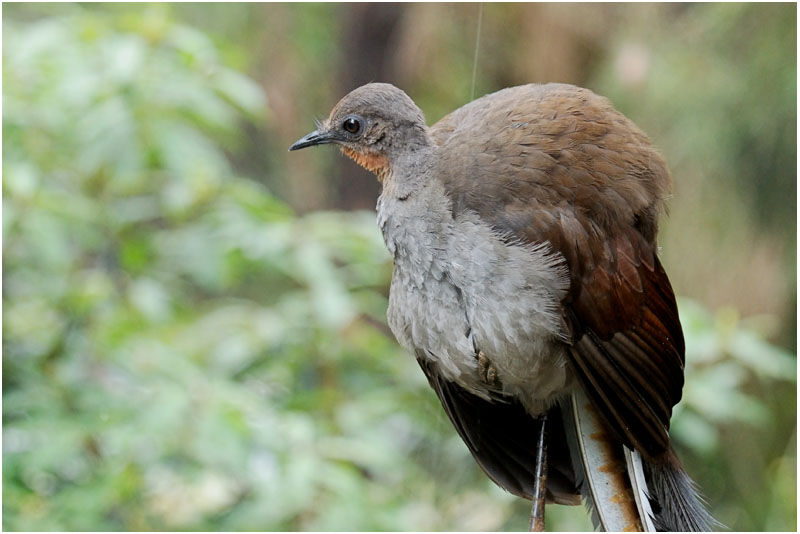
x=499 y=436
x=567 y=169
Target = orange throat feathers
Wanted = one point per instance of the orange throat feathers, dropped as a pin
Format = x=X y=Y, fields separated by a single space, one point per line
x=374 y=163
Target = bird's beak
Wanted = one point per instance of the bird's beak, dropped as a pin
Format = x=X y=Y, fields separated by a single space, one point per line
x=314 y=138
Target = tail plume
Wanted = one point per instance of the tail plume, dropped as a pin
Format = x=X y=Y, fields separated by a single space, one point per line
x=623 y=490
x=678 y=505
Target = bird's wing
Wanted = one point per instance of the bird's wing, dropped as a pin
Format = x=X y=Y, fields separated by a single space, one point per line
x=557 y=164
x=500 y=435
x=628 y=345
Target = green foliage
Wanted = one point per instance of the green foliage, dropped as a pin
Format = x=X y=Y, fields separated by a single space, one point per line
x=182 y=351
x=735 y=394
x=723 y=358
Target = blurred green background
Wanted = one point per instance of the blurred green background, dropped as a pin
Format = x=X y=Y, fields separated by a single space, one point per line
x=193 y=328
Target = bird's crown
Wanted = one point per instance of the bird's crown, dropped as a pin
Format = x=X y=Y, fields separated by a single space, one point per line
x=378 y=101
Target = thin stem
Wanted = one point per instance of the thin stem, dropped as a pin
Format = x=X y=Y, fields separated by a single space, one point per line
x=477 y=47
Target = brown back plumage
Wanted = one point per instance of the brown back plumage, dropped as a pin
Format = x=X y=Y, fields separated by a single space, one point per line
x=556 y=163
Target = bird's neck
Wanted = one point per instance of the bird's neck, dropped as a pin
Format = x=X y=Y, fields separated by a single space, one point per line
x=415 y=217
x=405 y=150
x=408 y=171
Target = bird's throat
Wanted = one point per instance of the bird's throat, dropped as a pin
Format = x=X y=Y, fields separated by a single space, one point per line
x=374 y=163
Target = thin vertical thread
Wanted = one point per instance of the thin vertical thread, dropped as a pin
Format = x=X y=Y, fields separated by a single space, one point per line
x=477 y=47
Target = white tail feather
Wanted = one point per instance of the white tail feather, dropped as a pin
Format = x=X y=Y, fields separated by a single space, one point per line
x=633 y=460
x=618 y=501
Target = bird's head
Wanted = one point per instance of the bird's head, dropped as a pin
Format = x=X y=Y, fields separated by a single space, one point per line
x=374 y=125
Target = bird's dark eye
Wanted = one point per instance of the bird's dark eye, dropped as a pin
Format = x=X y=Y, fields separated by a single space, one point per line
x=351 y=125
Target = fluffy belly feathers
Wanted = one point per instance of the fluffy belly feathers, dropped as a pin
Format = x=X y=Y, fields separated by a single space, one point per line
x=470 y=292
